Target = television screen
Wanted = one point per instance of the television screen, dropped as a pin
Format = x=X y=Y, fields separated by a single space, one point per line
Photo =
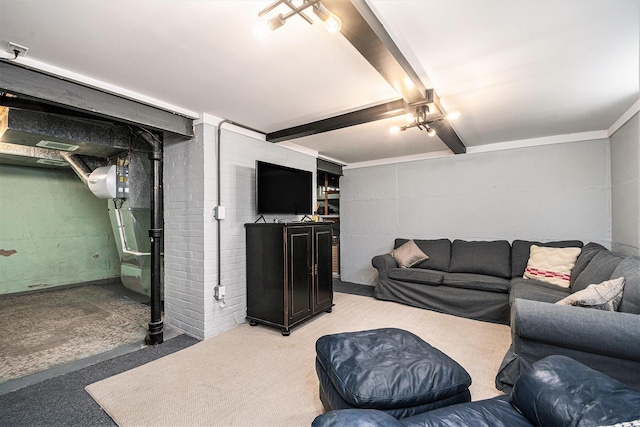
x=282 y=190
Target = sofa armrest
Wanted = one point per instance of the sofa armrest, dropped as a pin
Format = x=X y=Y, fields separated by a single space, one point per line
x=384 y=263
x=606 y=333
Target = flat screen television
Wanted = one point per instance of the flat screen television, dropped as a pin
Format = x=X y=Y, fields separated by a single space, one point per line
x=282 y=190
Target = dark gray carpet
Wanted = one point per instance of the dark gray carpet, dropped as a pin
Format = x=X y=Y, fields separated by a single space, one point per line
x=62 y=401
x=352 y=288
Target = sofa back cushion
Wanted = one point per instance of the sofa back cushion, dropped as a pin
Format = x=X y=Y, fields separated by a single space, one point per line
x=588 y=252
x=481 y=257
x=520 y=250
x=598 y=270
x=629 y=268
x=438 y=251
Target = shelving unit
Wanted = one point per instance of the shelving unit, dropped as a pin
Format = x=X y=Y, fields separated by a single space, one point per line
x=328 y=202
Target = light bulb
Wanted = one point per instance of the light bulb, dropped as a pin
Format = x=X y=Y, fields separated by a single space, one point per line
x=431 y=131
x=454 y=115
x=331 y=21
x=262 y=29
x=333 y=24
x=409 y=118
x=394 y=129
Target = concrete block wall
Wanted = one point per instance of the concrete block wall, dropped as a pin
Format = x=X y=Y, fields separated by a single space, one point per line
x=625 y=187
x=54 y=231
x=551 y=192
x=191 y=230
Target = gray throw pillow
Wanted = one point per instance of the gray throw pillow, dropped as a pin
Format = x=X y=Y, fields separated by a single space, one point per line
x=408 y=254
x=603 y=296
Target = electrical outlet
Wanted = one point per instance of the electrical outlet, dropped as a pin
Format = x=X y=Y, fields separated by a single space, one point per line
x=13 y=48
x=219 y=212
x=219 y=293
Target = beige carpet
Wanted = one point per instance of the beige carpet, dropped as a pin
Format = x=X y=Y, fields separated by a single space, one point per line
x=253 y=376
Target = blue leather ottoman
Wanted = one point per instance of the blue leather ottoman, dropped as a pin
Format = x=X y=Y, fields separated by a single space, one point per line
x=388 y=369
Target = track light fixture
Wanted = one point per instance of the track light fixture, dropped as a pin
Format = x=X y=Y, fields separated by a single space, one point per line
x=263 y=28
x=421 y=117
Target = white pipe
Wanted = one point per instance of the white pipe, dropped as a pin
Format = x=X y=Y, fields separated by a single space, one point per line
x=123 y=239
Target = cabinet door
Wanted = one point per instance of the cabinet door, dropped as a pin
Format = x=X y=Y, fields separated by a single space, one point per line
x=299 y=274
x=323 y=297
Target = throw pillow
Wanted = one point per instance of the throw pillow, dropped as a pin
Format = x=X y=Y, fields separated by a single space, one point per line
x=551 y=265
x=408 y=255
x=603 y=296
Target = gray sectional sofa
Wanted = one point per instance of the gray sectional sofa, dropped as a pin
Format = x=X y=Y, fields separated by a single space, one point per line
x=483 y=280
x=464 y=278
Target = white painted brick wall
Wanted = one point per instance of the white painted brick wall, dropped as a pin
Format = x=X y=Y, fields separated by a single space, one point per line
x=190 y=192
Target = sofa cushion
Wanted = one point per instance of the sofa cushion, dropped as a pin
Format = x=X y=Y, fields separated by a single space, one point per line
x=603 y=296
x=629 y=268
x=589 y=250
x=558 y=391
x=438 y=251
x=598 y=270
x=480 y=282
x=408 y=254
x=535 y=290
x=417 y=275
x=481 y=257
x=551 y=265
x=520 y=250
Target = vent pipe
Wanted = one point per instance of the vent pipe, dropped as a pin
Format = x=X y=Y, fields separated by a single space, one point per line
x=78 y=166
x=155 y=335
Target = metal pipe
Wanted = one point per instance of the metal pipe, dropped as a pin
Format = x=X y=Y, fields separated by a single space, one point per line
x=219 y=201
x=219 y=191
x=155 y=335
x=79 y=168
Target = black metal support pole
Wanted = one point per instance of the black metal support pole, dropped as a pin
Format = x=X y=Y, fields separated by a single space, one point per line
x=156 y=235
x=155 y=335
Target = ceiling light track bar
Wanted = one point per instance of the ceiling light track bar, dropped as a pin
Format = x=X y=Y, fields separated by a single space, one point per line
x=262 y=29
x=366 y=115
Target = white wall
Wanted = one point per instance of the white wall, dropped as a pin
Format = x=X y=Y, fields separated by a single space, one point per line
x=190 y=189
x=542 y=193
x=625 y=191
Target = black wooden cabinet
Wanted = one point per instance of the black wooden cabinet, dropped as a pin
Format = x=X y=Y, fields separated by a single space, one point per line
x=288 y=273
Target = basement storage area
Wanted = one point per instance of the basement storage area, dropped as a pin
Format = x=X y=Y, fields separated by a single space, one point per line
x=75 y=248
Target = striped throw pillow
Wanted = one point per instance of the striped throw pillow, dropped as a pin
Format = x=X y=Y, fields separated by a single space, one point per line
x=551 y=265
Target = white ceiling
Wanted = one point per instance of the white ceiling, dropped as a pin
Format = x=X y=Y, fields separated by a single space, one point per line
x=514 y=69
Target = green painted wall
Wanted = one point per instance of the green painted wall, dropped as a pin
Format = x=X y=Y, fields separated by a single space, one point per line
x=53 y=231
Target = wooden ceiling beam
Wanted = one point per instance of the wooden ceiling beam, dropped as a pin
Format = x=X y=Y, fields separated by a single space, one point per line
x=366 y=33
x=366 y=115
